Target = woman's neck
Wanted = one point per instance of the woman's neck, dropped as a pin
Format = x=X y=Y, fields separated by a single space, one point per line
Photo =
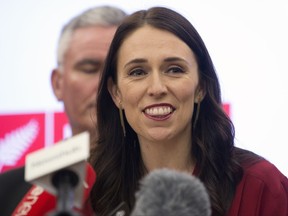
x=165 y=154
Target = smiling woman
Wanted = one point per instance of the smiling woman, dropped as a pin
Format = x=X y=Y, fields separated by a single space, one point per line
x=161 y=75
x=157 y=74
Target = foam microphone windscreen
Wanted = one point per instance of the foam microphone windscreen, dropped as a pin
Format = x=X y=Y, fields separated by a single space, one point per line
x=169 y=193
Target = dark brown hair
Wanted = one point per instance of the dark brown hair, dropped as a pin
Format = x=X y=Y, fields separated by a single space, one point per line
x=117 y=159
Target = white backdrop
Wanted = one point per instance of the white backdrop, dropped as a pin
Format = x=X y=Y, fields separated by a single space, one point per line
x=247 y=40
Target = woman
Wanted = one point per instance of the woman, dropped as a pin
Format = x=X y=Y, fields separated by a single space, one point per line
x=159 y=105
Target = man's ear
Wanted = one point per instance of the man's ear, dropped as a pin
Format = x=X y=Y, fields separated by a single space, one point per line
x=57 y=83
x=114 y=92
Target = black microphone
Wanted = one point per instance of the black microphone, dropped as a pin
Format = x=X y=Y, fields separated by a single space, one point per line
x=65 y=181
x=165 y=192
x=61 y=170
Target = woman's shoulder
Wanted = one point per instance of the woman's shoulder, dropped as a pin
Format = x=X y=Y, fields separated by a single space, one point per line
x=258 y=169
x=266 y=172
x=263 y=189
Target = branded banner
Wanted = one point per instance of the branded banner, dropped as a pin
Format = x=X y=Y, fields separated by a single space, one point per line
x=24 y=133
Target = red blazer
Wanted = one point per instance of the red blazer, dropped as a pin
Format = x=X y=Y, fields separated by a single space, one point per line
x=263 y=191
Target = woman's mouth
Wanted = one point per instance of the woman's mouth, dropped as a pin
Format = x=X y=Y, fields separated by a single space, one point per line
x=159 y=112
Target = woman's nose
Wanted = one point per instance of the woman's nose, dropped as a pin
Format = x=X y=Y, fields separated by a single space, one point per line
x=157 y=86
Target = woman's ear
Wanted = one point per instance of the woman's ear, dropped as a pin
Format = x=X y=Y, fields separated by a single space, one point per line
x=114 y=92
x=200 y=94
x=56 y=82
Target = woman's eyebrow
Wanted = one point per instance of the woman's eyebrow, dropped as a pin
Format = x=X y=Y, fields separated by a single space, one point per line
x=133 y=61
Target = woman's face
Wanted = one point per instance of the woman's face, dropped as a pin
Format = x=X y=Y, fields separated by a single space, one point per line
x=157 y=84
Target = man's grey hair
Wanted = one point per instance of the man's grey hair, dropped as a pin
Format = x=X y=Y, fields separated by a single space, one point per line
x=98 y=16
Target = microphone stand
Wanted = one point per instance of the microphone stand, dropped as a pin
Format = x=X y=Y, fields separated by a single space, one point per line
x=65 y=181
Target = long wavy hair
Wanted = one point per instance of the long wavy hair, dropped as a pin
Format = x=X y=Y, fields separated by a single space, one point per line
x=117 y=159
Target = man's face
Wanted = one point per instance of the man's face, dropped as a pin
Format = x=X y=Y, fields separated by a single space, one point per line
x=77 y=82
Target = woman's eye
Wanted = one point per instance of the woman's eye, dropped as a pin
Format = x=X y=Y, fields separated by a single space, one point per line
x=137 y=72
x=175 y=70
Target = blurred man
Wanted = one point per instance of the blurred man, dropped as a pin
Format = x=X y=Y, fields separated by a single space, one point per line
x=82 y=48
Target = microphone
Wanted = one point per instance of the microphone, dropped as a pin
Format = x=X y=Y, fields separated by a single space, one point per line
x=166 y=192
x=61 y=171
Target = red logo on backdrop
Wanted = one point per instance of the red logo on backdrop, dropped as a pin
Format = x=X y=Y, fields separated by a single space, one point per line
x=61 y=126
x=226 y=107
x=20 y=134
